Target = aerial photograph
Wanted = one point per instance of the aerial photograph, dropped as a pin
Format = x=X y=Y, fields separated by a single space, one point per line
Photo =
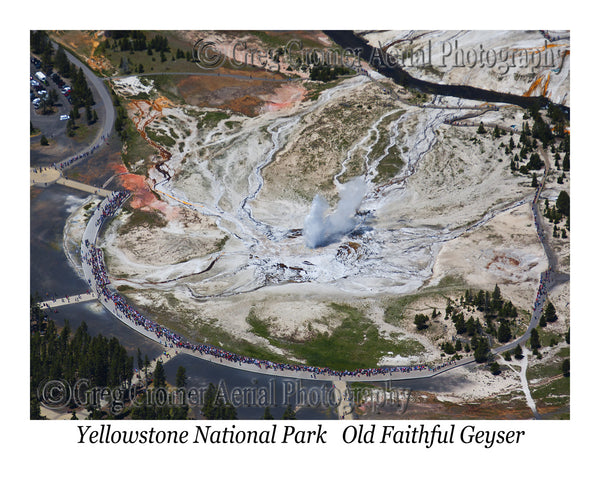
x=299 y=224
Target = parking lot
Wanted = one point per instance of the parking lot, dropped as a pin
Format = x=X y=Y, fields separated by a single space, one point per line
x=50 y=124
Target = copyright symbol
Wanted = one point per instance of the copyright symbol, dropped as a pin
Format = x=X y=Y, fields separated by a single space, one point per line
x=54 y=393
x=207 y=56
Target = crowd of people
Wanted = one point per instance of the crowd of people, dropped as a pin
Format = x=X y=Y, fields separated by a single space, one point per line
x=111 y=205
x=87 y=153
x=542 y=289
x=545 y=276
x=93 y=256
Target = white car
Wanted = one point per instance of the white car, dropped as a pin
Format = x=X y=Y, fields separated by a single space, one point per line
x=65 y=117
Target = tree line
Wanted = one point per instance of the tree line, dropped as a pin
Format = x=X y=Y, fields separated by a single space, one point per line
x=71 y=356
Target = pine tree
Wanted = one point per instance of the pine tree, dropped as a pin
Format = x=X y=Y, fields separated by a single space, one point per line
x=518 y=352
x=159 y=378
x=267 y=414
x=481 y=350
x=567 y=162
x=566 y=367
x=563 y=203
x=504 y=334
x=550 y=313
x=481 y=129
x=289 y=414
x=180 y=377
x=421 y=321
x=534 y=340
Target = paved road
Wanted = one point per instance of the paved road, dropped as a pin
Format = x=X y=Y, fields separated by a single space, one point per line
x=45 y=176
x=207 y=74
x=103 y=94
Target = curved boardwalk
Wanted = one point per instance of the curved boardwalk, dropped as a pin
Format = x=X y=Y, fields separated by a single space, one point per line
x=408 y=373
x=87 y=251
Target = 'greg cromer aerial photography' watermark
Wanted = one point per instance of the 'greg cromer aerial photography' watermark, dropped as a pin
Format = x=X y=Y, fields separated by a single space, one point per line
x=210 y=55
x=300 y=224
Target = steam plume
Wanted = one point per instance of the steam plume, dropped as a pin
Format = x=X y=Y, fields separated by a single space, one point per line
x=320 y=230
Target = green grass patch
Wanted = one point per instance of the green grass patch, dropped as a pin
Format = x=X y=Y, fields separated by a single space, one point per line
x=277 y=40
x=394 y=312
x=167 y=85
x=316 y=88
x=160 y=138
x=544 y=371
x=220 y=244
x=355 y=343
x=389 y=166
x=555 y=393
x=564 y=352
x=144 y=218
x=137 y=148
x=259 y=326
x=211 y=119
x=547 y=337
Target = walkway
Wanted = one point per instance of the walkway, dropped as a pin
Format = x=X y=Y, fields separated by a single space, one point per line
x=207 y=74
x=344 y=407
x=72 y=300
x=83 y=187
x=43 y=175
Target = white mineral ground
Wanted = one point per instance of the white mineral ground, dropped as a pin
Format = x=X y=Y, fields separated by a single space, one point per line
x=454 y=209
x=515 y=62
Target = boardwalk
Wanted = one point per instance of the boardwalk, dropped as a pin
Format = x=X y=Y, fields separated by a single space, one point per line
x=83 y=187
x=68 y=300
x=344 y=408
x=209 y=354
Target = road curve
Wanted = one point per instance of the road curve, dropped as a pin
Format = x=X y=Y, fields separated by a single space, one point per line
x=103 y=93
